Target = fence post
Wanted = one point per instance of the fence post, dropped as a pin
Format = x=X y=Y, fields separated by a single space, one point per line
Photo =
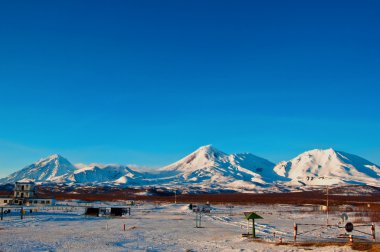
x=124 y=227
x=373 y=232
x=295 y=231
x=2 y=213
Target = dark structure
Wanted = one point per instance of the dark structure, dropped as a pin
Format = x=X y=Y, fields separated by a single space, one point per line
x=108 y=211
x=95 y=211
x=120 y=211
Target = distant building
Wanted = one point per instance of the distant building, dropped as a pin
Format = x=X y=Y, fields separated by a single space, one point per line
x=24 y=194
x=203 y=208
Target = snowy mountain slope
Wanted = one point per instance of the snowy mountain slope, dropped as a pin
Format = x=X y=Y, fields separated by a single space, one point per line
x=98 y=173
x=45 y=169
x=325 y=167
x=209 y=167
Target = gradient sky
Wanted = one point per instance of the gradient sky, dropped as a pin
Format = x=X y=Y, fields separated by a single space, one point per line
x=147 y=82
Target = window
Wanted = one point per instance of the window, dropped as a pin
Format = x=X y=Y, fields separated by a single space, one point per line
x=42 y=202
x=48 y=202
x=35 y=202
x=5 y=201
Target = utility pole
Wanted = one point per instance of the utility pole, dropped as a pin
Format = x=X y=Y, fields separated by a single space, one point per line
x=327 y=205
x=175 y=196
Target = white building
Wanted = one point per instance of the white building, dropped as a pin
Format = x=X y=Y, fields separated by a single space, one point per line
x=24 y=194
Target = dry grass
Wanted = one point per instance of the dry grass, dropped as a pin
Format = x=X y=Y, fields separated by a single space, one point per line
x=359 y=246
x=296 y=198
x=370 y=214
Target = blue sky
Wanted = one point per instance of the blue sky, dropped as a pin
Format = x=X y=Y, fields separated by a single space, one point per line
x=147 y=82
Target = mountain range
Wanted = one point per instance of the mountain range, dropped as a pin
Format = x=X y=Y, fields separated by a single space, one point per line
x=208 y=168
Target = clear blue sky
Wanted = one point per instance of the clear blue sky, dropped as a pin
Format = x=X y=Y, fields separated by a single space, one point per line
x=147 y=82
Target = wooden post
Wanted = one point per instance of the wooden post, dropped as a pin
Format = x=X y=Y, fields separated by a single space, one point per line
x=124 y=227
x=295 y=232
x=197 y=219
x=253 y=229
x=373 y=232
x=2 y=213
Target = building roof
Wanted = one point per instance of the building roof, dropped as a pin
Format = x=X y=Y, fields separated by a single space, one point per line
x=252 y=215
x=25 y=181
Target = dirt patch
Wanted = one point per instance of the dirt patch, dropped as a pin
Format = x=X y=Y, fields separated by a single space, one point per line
x=360 y=246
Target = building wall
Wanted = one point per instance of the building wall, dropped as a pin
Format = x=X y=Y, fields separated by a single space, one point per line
x=5 y=201
x=34 y=202
x=24 y=190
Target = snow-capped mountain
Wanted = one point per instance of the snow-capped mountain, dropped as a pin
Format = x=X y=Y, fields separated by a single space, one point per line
x=45 y=169
x=208 y=167
x=326 y=167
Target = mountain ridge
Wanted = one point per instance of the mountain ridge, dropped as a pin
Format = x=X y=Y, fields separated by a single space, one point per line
x=209 y=168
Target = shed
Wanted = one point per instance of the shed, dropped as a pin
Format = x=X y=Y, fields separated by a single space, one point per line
x=252 y=216
x=92 y=211
x=120 y=211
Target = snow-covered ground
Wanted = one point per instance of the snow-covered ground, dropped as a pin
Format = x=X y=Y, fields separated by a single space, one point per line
x=163 y=227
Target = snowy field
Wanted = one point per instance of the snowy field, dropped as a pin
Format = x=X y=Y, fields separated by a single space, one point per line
x=168 y=227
